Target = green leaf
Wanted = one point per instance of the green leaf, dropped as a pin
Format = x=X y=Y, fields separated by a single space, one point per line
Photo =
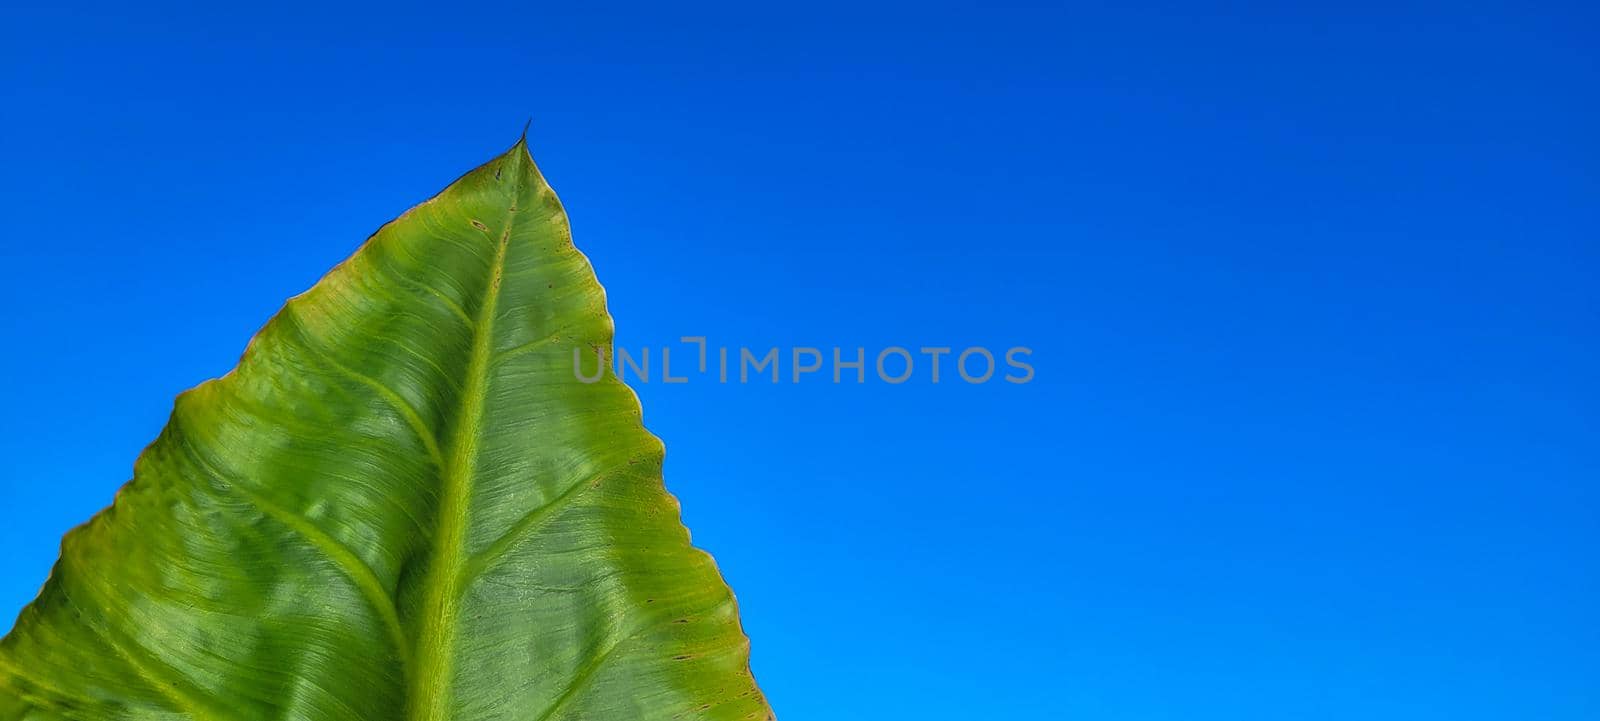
x=403 y=504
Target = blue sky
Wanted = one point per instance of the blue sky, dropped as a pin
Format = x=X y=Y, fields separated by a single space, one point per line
x=1310 y=289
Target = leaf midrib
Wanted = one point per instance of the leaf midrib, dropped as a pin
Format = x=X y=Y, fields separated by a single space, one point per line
x=428 y=693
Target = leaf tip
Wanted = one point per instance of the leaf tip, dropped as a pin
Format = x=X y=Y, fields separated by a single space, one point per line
x=520 y=148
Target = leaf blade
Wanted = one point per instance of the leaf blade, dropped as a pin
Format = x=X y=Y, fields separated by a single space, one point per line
x=401 y=504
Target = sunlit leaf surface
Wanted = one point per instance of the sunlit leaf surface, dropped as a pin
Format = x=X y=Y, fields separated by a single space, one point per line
x=402 y=505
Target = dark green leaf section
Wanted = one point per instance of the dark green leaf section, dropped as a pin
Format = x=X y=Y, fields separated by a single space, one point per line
x=402 y=505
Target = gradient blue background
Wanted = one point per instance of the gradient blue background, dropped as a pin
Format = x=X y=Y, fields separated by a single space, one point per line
x=1311 y=289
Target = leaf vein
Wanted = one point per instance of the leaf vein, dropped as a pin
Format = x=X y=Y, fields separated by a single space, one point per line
x=401 y=406
x=526 y=525
x=359 y=573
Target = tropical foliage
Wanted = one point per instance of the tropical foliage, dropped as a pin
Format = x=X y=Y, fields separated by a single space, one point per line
x=402 y=504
